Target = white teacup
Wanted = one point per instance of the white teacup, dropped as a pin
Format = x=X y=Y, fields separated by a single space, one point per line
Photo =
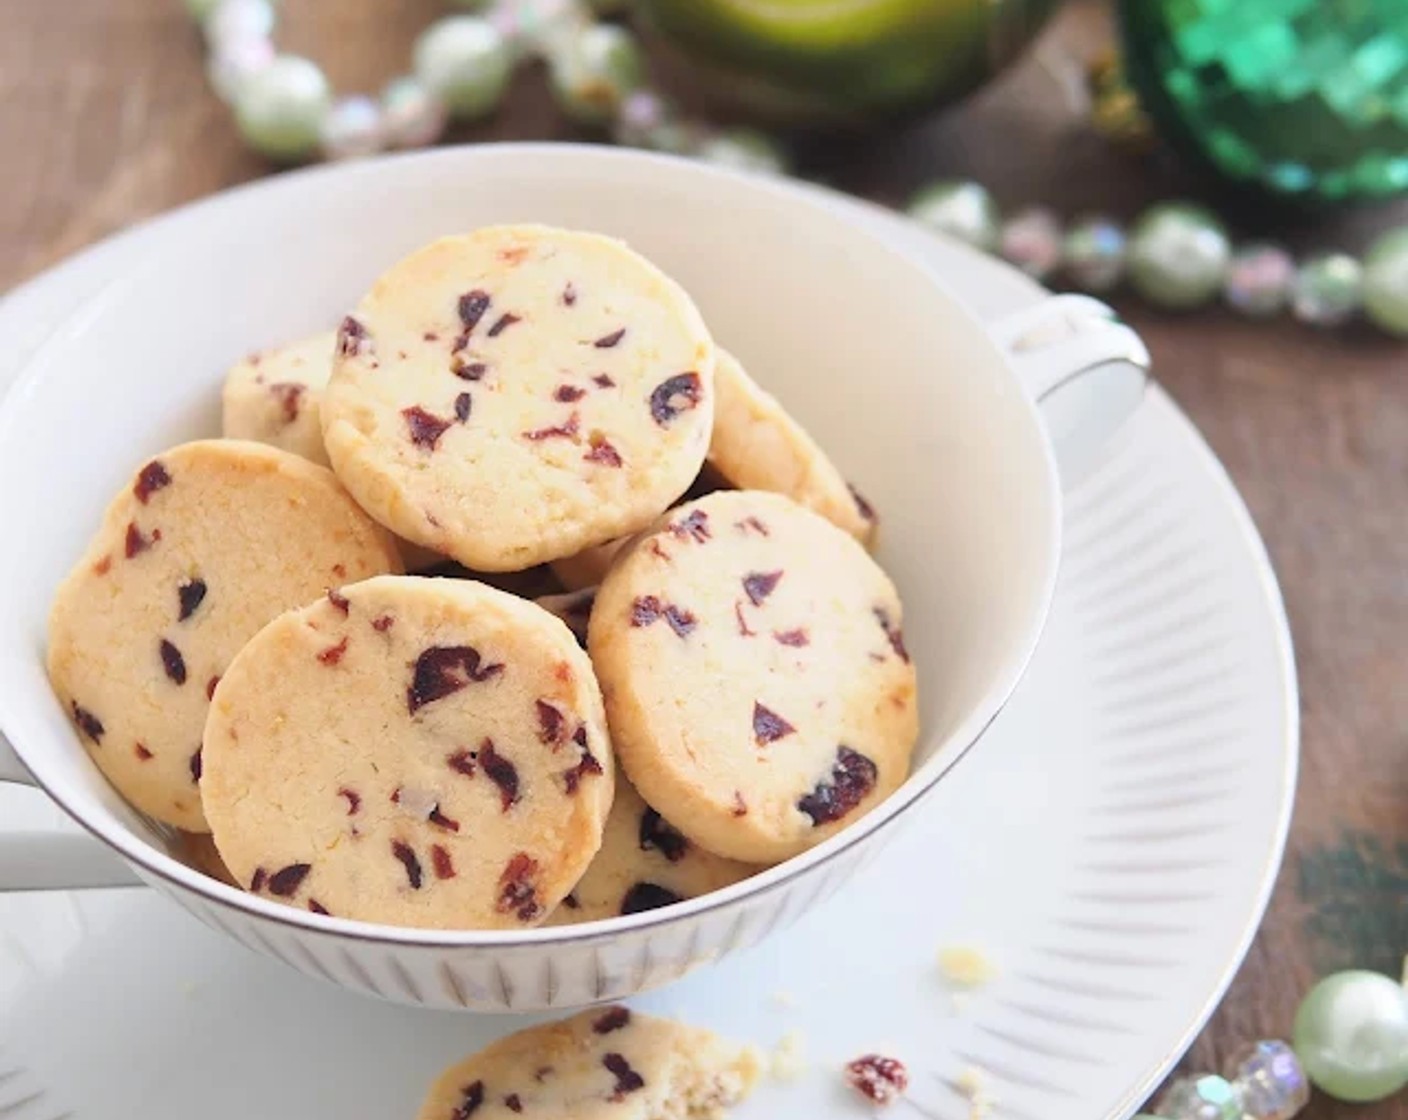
x=927 y=409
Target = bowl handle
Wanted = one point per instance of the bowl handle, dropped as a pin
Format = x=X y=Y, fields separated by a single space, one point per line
x=48 y=860
x=1086 y=369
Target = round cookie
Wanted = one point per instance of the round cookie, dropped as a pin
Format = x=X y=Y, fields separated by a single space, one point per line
x=609 y=1063
x=418 y=752
x=589 y=567
x=644 y=863
x=574 y=608
x=518 y=394
x=757 y=685
x=209 y=542
x=274 y=396
x=756 y=445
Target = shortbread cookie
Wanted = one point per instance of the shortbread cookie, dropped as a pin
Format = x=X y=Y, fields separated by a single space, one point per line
x=418 y=752
x=275 y=396
x=644 y=863
x=209 y=542
x=756 y=445
x=757 y=684
x=574 y=608
x=589 y=567
x=519 y=394
x=609 y=1063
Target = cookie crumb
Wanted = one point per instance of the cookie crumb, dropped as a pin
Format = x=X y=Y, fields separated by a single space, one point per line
x=963 y=966
x=788 y=1060
x=783 y=1000
x=972 y=1083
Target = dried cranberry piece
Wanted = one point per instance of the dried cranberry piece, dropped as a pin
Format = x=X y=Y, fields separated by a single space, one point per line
x=648 y=896
x=103 y=566
x=614 y=1019
x=551 y=723
x=472 y=307
x=210 y=686
x=503 y=322
x=190 y=595
x=561 y=431
x=852 y=777
x=339 y=600
x=260 y=878
x=893 y=633
x=442 y=863
x=751 y=525
x=425 y=427
x=648 y=608
x=383 y=623
x=602 y=451
x=512 y=1103
x=759 y=585
x=464 y=403
x=607 y=341
x=518 y=894
x=768 y=726
x=289 y=394
x=878 y=1079
x=443 y=670
x=864 y=508
x=657 y=833
x=430 y=336
x=604 y=381
x=795 y=638
x=469 y=1103
x=462 y=762
x=354 y=800
x=333 y=654
x=142 y=753
x=468 y=371
x=318 y=908
x=570 y=901
x=740 y=807
x=287 y=880
x=173 y=662
x=87 y=722
x=569 y=294
x=135 y=542
x=566 y=394
x=744 y=629
x=681 y=621
x=350 y=337
x=694 y=525
x=403 y=851
x=586 y=764
x=195 y=765
x=675 y=395
x=627 y=1079
x=439 y=819
x=153 y=477
x=501 y=772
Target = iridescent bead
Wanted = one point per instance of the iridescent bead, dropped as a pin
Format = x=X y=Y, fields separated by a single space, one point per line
x=649 y=120
x=962 y=210
x=743 y=149
x=232 y=64
x=1269 y=1080
x=465 y=62
x=594 y=71
x=352 y=127
x=280 y=109
x=230 y=21
x=413 y=116
x=1329 y=289
x=1177 y=255
x=1386 y=282
x=1031 y=240
x=1094 y=254
x=1259 y=280
x=1351 y=1034
x=1204 y=1097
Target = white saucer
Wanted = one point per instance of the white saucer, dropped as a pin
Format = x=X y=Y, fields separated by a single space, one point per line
x=1110 y=848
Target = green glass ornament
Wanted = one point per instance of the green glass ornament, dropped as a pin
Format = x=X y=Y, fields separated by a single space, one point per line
x=1351 y=1035
x=1306 y=98
x=815 y=61
x=1386 y=282
x=959 y=209
x=594 y=71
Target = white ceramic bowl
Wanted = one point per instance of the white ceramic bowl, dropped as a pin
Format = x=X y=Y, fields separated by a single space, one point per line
x=920 y=404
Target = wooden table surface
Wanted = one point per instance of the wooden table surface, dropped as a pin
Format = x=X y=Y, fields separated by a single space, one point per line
x=105 y=118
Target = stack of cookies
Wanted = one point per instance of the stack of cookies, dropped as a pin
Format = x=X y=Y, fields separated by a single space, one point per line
x=718 y=682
